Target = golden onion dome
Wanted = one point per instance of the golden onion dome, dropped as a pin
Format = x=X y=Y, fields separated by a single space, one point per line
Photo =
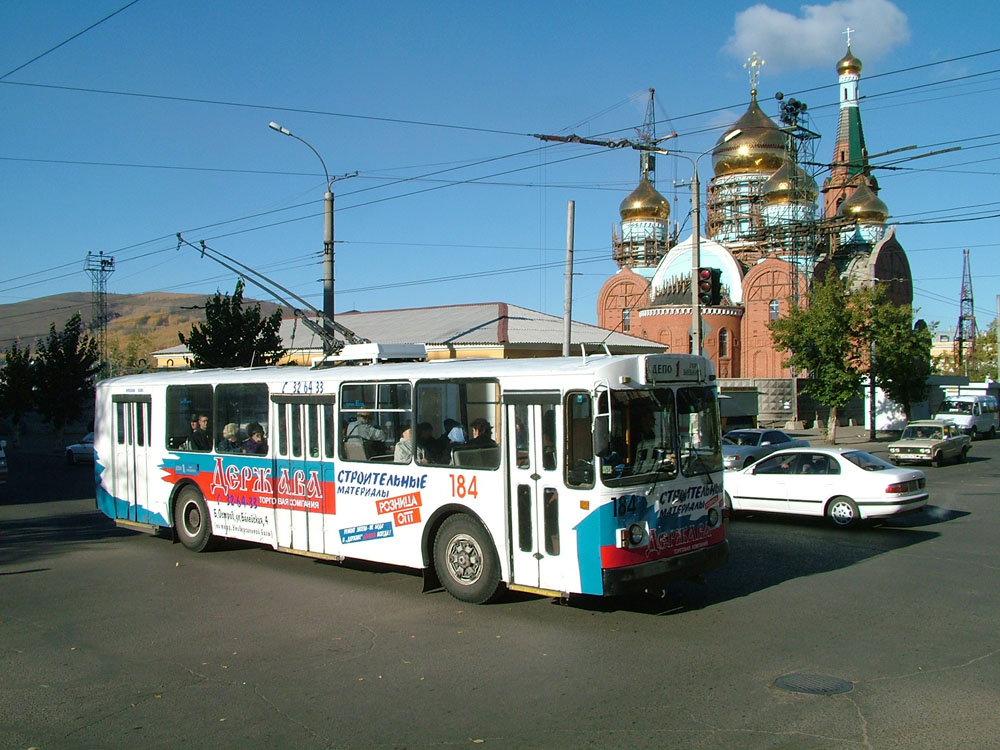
x=644 y=203
x=758 y=147
x=848 y=64
x=790 y=184
x=864 y=206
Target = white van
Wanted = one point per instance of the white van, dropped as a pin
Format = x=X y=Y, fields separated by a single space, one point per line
x=975 y=415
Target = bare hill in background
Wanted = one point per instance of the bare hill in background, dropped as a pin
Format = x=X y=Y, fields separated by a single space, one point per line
x=158 y=316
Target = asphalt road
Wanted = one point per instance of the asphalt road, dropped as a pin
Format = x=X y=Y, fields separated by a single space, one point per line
x=112 y=639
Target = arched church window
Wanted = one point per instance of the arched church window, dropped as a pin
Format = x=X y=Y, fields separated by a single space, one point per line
x=773 y=309
x=723 y=342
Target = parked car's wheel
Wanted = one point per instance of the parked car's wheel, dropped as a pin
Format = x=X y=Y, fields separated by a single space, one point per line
x=964 y=455
x=191 y=520
x=992 y=433
x=465 y=561
x=974 y=434
x=939 y=458
x=843 y=512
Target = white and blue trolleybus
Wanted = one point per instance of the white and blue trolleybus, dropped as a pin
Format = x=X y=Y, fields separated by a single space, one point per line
x=595 y=475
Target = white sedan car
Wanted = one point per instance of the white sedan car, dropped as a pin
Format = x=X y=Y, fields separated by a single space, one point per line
x=82 y=452
x=842 y=484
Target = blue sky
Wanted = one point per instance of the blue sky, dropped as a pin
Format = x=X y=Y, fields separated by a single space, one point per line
x=154 y=122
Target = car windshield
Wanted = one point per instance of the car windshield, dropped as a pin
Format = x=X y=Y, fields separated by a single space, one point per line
x=742 y=437
x=867 y=461
x=916 y=432
x=956 y=407
x=728 y=441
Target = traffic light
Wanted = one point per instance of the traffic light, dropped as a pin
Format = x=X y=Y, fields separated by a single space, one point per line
x=705 y=286
x=716 y=285
x=709 y=286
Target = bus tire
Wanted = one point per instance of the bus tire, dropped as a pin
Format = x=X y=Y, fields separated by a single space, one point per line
x=465 y=561
x=191 y=520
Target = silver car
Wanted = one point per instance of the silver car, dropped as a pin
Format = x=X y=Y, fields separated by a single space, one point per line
x=740 y=448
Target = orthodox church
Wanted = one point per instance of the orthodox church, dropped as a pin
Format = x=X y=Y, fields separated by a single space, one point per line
x=762 y=231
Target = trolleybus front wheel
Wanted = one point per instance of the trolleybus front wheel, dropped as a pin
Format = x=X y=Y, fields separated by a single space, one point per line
x=194 y=527
x=465 y=561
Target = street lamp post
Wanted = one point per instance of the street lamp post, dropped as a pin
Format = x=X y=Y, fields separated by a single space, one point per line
x=328 y=298
x=696 y=238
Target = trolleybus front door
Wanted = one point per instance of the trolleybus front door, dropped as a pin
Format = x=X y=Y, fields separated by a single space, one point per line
x=533 y=427
x=131 y=457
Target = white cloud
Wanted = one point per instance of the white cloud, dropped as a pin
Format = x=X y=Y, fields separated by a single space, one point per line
x=815 y=37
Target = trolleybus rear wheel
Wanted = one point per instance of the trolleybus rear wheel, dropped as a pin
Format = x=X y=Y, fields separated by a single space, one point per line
x=191 y=519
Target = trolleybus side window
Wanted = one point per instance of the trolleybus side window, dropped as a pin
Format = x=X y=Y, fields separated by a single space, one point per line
x=238 y=406
x=186 y=404
x=446 y=413
x=373 y=416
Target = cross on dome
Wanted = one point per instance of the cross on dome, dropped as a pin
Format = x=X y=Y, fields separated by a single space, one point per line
x=848 y=33
x=754 y=64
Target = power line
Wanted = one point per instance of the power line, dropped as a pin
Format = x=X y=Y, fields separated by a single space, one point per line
x=268 y=107
x=67 y=41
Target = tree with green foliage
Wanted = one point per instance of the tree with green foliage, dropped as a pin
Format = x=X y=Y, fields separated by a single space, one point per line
x=232 y=336
x=822 y=340
x=65 y=366
x=129 y=354
x=17 y=385
x=979 y=363
x=902 y=353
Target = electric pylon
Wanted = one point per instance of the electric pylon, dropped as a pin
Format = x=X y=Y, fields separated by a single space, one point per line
x=100 y=267
x=965 y=332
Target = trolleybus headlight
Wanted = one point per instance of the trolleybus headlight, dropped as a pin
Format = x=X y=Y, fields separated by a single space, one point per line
x=635 y=534
x=632 y=536
x=713 y=517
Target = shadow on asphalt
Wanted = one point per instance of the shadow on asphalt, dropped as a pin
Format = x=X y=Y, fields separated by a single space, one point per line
x=767 y=550
x=26 y=539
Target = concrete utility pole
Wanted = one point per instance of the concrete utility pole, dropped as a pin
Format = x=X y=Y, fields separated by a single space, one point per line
x=328 y=294
x=568 y=294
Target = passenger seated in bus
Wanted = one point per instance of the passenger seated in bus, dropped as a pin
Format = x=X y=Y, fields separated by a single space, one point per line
x=371 y=436
x=256 y=444
x=229 y=442
x=453 y=432
x=199 y=439
x=403 y=451
x=481 y=434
